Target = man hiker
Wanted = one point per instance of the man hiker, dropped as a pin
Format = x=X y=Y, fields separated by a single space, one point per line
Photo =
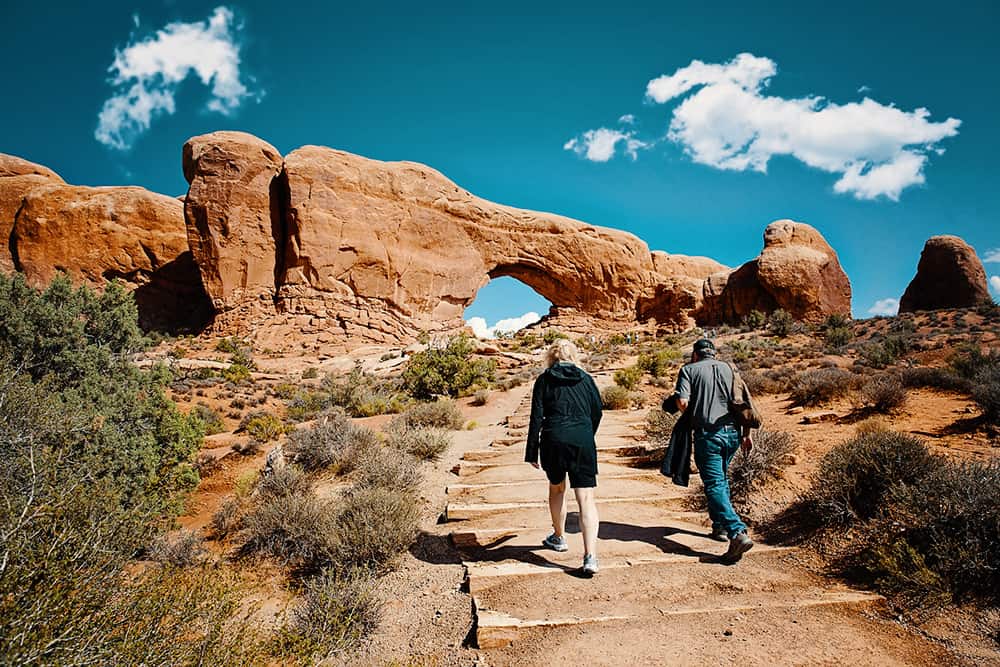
x=704 y=389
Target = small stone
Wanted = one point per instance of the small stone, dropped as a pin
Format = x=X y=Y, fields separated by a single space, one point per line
x=817 y=417
x=728 y=633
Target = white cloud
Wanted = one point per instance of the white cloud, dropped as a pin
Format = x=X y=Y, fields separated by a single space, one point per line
x=887 y=307
x=992 y=255
x=510 y=325
x=147 y=73
x=724 y=119
x=627 y=119
x=864 y=89
x=995 y=283
x=600 y=145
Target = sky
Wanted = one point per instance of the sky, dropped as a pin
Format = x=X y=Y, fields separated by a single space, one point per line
x=692 y=127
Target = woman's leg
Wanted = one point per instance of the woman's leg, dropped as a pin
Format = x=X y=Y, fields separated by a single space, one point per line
x=589 y=522
x=557 y=507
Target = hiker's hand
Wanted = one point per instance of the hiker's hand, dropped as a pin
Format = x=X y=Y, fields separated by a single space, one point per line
x=534 y=464
x=747 y=445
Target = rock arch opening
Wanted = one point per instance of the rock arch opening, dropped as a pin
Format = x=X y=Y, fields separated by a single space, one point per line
x=505 y=305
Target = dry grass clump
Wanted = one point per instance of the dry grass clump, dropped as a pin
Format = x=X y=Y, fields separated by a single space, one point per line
x=182 y=548
x=884 y=393
x=816 y=387
x=374 y=525
x=443 y=413
x=333 y=443
x=481 y=397
x=936 y=378
x=427 y=444
x=620 y=398
x=764 y=463
x=300 y=530
x=209 y=418
x=337 y=611
x=986 y=392
x=284 y=480
x=659 y=426
x=390 y=468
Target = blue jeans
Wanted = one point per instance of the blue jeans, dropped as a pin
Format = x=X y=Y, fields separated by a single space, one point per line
x=713 y=450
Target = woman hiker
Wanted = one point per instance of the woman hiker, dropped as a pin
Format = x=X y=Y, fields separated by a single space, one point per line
x=565 y=413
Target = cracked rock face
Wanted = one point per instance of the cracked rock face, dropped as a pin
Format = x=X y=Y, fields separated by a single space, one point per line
x=949 y=275
x=236 y=238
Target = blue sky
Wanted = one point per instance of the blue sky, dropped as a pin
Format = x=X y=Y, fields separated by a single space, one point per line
x=500 y=98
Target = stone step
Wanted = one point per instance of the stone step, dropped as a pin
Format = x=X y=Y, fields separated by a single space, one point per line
x=488 y=471
x=497 y=629
x=613 y=446
x=630 y=473
x=463 y=512
x=527 y=492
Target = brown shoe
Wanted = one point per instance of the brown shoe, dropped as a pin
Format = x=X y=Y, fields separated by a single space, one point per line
x=738 y=546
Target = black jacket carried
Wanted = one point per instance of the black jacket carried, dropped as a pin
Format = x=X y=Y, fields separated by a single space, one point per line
x=677 y=462
x=565 y=406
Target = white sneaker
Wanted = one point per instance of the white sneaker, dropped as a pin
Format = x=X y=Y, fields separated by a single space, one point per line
x=555 y=543
x=590 y=566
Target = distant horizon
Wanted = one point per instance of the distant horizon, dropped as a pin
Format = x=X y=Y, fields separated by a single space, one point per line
x=690 y=132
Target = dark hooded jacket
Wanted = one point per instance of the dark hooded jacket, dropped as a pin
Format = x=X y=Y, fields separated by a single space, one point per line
x=565 y=407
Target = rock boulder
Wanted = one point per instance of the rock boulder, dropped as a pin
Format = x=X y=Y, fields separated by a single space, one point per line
x=17 y=178
x=949 y=275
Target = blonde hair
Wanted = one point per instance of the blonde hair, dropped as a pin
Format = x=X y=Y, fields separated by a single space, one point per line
x=562 y=350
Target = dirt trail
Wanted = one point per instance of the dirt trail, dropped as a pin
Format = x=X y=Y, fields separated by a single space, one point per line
x=661 y=597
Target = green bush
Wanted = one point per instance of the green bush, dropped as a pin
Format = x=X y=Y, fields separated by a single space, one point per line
x=263 y=426
x=306 y=404
x=780 y=322
x=628 y=378
x=333 y=443
x=837 y=337
x=310 y=373
x=755 y=319
x=237 y=373
x=816 y=387
x=552 y=335
x=855 y=478
x=339 y=608
x=450 y=370
x=764 y=463
x=659 y=363
x=210 y=420
x=230 y=345
x=361 y=395
x=442 y=413
x=884 y=393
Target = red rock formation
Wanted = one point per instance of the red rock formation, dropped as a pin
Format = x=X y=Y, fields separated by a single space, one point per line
x=949 y=275
x=17 y=178
x=100 y=234
x=234 y=234
x=797 y=271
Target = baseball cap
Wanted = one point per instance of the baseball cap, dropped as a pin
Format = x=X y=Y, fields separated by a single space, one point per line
x=703 y=344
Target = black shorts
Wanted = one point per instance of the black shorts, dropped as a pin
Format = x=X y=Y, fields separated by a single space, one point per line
x=560 y=459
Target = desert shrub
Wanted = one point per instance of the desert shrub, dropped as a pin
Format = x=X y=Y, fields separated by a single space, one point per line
x=659 y=362
x=230 y=345
x=937 y=378
x=263 y=426
x=210 y=420
x=237 y=373
x=374 y=524
x=552 y=335
x=284 y=390
x=284 y=480
x=968 y=359
x=628 y=378
x=450 y=370
x=759 y=384
x=306 y=404
x=228 y=518
x=820 y=386
x=362 y=395
x=739 y=351
x=951 y=520
x=427 y=444
x=883 y=393
x=182 y=548
x=755 y=319
x=837 y=332
x=339 y=608
x=659 y=426
x=481 y=397
x=298 y=529
x=764 y=463
x=872 y=425
x=855 y=477
x=334 y=442
x=443 y=413
x=310 y=373
x=389 y=468
x=619 y=398
x=986 y=392
x=780 y=322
